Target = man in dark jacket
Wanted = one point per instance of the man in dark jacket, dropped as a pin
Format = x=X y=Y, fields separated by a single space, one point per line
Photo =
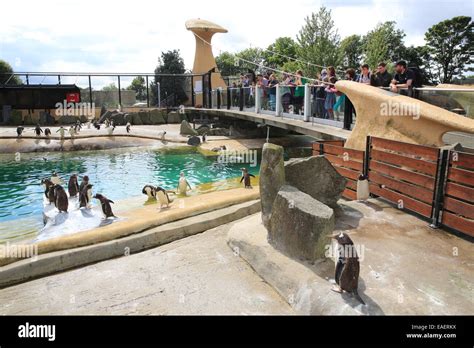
x=382 y=77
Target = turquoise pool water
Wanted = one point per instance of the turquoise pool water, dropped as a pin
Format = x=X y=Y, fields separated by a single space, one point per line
x=118 y=174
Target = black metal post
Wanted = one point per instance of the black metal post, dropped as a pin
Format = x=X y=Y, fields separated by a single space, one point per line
x=90 y=90
x=438 y=196
x=59 y=79
x=368 y=147
x=210 y=91
x=241 y=99
x=193 y=101
x=218 y=98
x=119 y=92
x=229 y=98
x=348 y=109
x=27 y=80
x=321 y=149
x=175 y=102
x=147 y=93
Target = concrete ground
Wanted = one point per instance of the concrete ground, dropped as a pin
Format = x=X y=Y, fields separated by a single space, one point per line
x=195 y=275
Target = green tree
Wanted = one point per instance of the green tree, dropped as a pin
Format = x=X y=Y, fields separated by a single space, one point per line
x=226 y=64
x=5 y=74
x=172 y=89
x=277 y=53
x=419 y=57
x=383 y=44
x=252 y=58
x=138 y=85
x=351 y=50
x=451 y=47
x=318 y=41
x=110 y=87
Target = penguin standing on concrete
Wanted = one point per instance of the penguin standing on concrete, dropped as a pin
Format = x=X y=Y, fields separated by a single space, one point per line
x=61 y=131
x=150 y=191
x=127 y=127
x=19 y=131
x=48 y=190
x=246 y=177
x=183 y=184
x=73 y=186
x=47 y=132
x=38 y=130
x=105 y=204
x=85 y=196
x=62 y=201
x=347 y=267
x=363 y=190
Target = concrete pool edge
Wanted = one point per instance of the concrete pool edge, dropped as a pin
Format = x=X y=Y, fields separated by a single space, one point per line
x=58 y=261
x=141 y=219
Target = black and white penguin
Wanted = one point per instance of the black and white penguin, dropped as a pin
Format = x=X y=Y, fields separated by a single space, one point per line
x=127 y=127
x=85 y=196
x=19 y=130
x=150 y=191
x=347 y=267
x=84 y=183
x=38 y=130
x=73 y=186
x=55 y=179
x=162 y=197
x=183 y=184
x=47 y=132
x=62 y=201
x=363 y=189
x=105 y=204
x=48 y=190
x=246 y=177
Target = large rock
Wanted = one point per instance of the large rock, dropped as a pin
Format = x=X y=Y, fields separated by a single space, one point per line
x=174 y=117
x=144 y=116
x=186 y=129
x=300 y=225
x=136 y=119
x=316 y=177
x=194 y=141
x=272 y=177
x=157 y=117
x=218 y=131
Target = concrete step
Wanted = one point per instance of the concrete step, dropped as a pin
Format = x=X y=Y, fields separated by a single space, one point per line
x=50 y=263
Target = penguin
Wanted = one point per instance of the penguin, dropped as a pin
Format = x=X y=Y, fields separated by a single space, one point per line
x=19 y=131
x=363 y=190
x=71 y=131
x=38 y=130
x=163 y=197
x=47 y=132
x=77 y=127
x=55 y=179
x=127 y=127
x=150 y=191
x=48 y=190
x=246 y=177
x=73 y=186
x=105 y=204
x=183 y=184
x=85 y=196
x=61 y=200
x=61 y=131
x=84 y=183
x=110 y=130
x=347 y=267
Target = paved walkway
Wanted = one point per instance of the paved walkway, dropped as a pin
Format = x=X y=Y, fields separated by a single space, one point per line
x=195 y=275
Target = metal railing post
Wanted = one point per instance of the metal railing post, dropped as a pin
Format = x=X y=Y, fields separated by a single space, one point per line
x=229 y=98
x=307 y=102
x=438 y=196
x=278 y=105
x=368 y=147
x=241 y=99
x=119 y=92
x=257 y=99
x=90 y=90
x=218 y=98
x=147 y=93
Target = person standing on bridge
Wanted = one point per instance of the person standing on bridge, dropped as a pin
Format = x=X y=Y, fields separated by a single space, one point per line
x=298 y=99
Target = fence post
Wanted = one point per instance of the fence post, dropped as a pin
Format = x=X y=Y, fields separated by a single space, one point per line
x=438 y=197
x=368 y=146
x=307 y=102
x=241 y=99
x=229 y=98
x=218 y=98
x=321 y=149
x=257 y=99
x=348 y=109
x=278 y=101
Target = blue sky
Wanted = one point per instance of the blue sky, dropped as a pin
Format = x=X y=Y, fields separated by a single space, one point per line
x=128 y=36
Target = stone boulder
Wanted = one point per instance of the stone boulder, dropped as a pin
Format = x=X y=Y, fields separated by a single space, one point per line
x=300 y=225
x=203 y=129
x=144 y=116
x=218 y=131
x=194 y=141
x=174 y=117
x=272 y=177
x=136 y=119
x=157 y=117
x=316 y=177
x=186 y=129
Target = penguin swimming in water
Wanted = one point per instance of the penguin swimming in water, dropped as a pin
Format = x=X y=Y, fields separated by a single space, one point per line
x=85 y=196
x=105 y=204
x=363 y=189
x=347 y=267
x=47 y=132
x=73 y=186
x=183 y=184
x=61 y=201
x=48 y=190
x=246 y=178
x=38 y=130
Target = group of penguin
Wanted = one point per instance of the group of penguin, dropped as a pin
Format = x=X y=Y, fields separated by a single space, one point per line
x=56 y=194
